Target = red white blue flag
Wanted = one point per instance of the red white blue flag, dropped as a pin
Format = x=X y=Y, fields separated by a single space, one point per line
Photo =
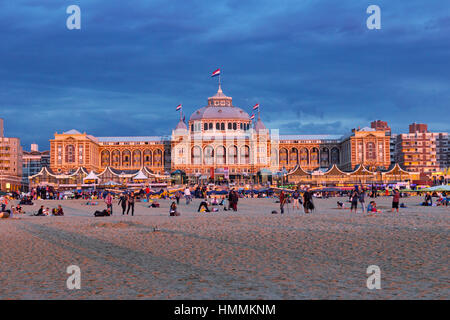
x=252 y=117
x=216 y=73
x=178 y=107
x=256 y=106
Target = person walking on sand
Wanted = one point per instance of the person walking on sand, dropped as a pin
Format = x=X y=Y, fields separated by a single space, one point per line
x=130 y=202
x=307 y=201
x=282 y=201
x=187 y=195
x=296 y=197
x=108 y=201
x=395 y=200
x=354 y=201
x=361 y=200
x=123 y=203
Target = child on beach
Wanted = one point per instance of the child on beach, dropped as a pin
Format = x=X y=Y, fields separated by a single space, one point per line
x=173 y=210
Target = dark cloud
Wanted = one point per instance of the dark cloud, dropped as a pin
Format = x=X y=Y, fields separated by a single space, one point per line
x=312 y=65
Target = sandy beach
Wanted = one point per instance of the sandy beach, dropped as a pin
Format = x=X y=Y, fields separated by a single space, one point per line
x=249 y=254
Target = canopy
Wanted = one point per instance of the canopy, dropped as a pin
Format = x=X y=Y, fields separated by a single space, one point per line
x=91 y=176
x=140 y=176
x=437 y=188
x=111 y=183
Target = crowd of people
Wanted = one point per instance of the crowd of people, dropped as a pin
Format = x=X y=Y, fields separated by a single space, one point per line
x=213 y=200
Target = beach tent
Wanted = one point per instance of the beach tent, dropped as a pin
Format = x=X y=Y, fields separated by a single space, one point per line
x=140 y=176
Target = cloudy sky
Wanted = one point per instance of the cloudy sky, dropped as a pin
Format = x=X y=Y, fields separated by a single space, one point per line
x=313 y=65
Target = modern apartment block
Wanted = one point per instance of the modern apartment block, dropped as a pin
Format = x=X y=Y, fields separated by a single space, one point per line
x=33 y=161
x=10 y=162
x=421 y=150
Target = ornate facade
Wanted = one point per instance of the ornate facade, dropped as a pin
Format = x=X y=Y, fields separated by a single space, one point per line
x=220 y=141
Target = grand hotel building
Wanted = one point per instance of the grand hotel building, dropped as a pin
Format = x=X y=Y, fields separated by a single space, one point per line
x=220 y=140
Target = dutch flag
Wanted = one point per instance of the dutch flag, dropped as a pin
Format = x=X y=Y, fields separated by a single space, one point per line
x=216 y=73
x=256 y=106
x=252 y=117
x=178 y=107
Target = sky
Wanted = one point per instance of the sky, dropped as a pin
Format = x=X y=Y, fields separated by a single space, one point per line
x=312 y=65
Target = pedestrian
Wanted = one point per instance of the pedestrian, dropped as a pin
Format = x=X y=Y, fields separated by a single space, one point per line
x=187 y=195
x=108 y=201
x=130 y=201
x=395 y=200
x=354 y=200
x=123 y=202
x=307 y=201
x=177 y=197
x=296 y=197
x=361 y=200
x=282 y=201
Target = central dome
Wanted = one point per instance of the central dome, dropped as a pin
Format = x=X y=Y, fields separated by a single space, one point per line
x=220 y=107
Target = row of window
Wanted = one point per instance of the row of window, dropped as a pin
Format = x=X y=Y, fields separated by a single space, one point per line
x=136 y=158
x=220 y=126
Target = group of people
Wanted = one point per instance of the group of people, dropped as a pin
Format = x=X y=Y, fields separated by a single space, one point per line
x=358 y=196
x=58 y=211
x=307 y=203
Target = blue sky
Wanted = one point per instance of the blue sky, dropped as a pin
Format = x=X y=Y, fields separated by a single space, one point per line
x=313 y=65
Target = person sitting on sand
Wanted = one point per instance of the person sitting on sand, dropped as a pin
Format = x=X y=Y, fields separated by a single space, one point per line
x=154 y=204
x=340 y=205
x=203 y=204
x=58 y=211
x=47 y=211
x=173 y=210
x=104 y=213
x=40 y=212
x=372 y=207
x=18 y=209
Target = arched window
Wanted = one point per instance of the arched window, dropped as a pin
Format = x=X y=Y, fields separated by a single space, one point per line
x=126 y=158
x=70 y=153
x=234 y=126
x=245 y=155
x=220 y=155
x=325 y=157
x=314 y=157
x=222 y=126
x=105 y=158
x=229 y=125
x=196 y=155
x=208 y=155
x=293 y=156
x=283 y=157
x=115 y=158
x=232 y=155
x=370 y=151
x=137 y=159
x=210 y=126
x=148 y=158
x=217 y=126
x=304 y=157
x=205 y=126
x=335 y=156
x=157 y=158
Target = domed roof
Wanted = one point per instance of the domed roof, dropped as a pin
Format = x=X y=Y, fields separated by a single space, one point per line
x=223 y=112
x=259 y=125
x=181 y=125
x=220 y=107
